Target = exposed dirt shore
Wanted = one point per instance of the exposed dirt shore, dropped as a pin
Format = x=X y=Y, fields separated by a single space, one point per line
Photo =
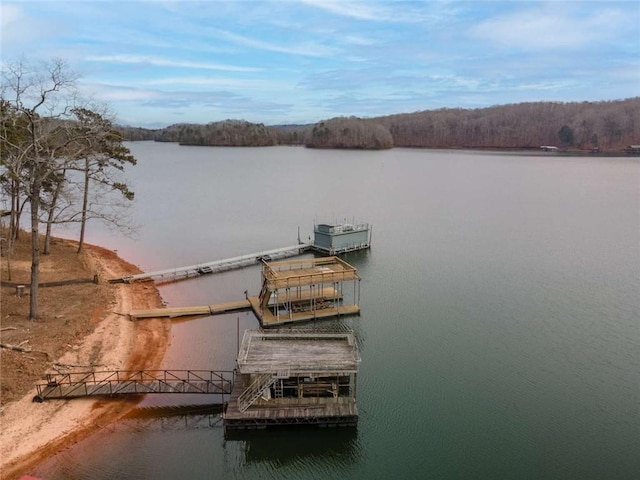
x=82 y=327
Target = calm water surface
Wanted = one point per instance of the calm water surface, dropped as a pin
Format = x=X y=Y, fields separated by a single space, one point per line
x=500 y=326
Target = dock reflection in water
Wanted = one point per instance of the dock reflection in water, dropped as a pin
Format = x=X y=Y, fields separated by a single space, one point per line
x=168 y=444
x=312 y=444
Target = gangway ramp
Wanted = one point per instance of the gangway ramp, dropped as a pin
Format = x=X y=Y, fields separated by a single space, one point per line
x=216 y=265
x=135 y=382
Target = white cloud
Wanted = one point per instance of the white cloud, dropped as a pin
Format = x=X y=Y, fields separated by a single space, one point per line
x=425 y=12
x=9 y=14
x=217 y=82
x=361 y=11
x=19 y=32
x=310 y=49
x=358 y=40
x=165 y=62
x=553 y=85
x=550 y=27
x=117 y=93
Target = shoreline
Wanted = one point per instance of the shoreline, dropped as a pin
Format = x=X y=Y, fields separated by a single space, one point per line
x=33 y=432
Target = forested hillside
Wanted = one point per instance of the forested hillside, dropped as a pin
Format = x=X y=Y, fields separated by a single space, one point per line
x=349 y=132
x=607 y=126
x=229 y=133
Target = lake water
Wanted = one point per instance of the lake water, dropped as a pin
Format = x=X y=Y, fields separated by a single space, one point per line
x=500 y=326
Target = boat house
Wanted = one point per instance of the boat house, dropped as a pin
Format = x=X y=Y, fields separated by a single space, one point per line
x=633 y=149
x=306 y=289
x=336 y=239
x=294 y=377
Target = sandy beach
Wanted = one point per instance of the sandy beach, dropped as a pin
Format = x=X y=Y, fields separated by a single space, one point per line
x=32 y=431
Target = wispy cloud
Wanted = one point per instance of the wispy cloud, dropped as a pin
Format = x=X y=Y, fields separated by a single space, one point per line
x=551 y=27
x=359 y=10
x=281 y=61
x=9 y=14
x=425 y=12
x=166 y=62
x=13 y=30
x=300 y=47
x=199 y=81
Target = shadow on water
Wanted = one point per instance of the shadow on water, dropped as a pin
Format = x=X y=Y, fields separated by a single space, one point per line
x=293 y=445
x=357 y=258
x=174 y=410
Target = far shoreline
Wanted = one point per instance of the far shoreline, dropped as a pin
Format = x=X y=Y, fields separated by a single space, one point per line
x=525 y=151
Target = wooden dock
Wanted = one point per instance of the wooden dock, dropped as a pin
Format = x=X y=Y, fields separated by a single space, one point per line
x=294 y=377
x=321 y=411
x=136 y=382
x=174 y=312
x=292 y=291
x=305 y=289
x=268 y=319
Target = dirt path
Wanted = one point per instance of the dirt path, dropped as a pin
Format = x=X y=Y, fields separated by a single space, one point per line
x=31 y=432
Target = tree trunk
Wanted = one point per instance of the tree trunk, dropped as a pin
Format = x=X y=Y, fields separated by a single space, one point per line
x=85 y=202
x=50 y=216
x=35 y=249
x=15 y=211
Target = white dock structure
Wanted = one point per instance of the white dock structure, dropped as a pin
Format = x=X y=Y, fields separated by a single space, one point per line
x=216 y=265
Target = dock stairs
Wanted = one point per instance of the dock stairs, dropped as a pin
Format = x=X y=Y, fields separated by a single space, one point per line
x=259 y=385
x=255 y=390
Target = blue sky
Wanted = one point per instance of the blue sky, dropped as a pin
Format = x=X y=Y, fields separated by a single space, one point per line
x=275 y=62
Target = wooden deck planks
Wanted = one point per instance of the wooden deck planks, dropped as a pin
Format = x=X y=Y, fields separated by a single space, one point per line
x=342 y=410
x=172 y=312
x=268 y=319
x=268 y=353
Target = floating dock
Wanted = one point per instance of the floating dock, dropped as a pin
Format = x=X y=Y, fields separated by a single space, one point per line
x=294 y=378
x=215 y=266
x=173 y=312
x=329 y=239
x=292 y=291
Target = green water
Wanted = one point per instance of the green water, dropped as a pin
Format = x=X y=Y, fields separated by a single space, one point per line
x=500 y=326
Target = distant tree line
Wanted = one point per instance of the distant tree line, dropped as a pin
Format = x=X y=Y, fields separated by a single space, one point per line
x=228 y=133
x=350 y=132
x=606 y=126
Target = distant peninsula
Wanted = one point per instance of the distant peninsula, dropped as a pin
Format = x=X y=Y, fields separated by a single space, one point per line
x=606 y=126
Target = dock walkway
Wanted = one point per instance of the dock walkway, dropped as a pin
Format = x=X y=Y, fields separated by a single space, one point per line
x=175 y=312
x=136 y=382
x=216 y=265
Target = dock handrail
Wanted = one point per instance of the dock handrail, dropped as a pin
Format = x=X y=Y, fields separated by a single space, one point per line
x=77 y=384
x=217 y=265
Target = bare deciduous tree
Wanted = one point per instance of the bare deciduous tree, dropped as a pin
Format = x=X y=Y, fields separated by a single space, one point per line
x=45 y=136
x=36 y=96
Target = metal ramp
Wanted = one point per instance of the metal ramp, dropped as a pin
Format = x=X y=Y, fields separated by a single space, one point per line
x=134 y=382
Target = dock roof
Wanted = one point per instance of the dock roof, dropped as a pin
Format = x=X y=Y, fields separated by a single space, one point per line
x=308 y=271
x=286 y=353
